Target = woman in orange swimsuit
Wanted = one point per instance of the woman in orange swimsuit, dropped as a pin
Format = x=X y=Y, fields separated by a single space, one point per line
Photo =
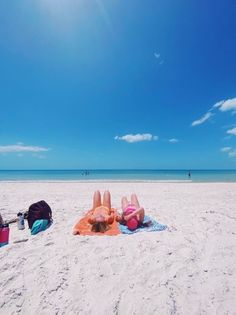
x=101 y=214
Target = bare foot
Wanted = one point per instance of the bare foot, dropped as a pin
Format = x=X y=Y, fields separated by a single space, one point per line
x=75 y=232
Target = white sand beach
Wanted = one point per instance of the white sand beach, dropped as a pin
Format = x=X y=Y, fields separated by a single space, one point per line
x=190 y=268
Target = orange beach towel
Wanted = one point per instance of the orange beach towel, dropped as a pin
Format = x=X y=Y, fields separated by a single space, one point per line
x=82 y=227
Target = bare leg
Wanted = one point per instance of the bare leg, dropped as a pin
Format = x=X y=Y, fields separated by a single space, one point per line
x=124 y=203
x=96 y=199
x=134 y=201
x=107 y=199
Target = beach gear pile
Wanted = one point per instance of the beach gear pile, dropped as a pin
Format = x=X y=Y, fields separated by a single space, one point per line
x=39 y=217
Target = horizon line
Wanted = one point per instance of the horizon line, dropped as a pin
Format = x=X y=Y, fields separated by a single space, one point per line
x=120 y=169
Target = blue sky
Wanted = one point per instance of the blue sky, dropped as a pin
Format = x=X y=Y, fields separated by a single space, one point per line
x=99 y=84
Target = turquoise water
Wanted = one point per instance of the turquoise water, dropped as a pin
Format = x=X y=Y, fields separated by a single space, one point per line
x=152 y=175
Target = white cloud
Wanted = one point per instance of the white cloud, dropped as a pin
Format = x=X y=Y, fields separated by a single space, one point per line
x=225 y=149
x=202 y=119
x=173 y=140
x=20 y=147
x=137 y=138
x=216 y=105
x=157 y=55
x=232 y=131
x=227 y=105
x=223 y=106
x=232 y=153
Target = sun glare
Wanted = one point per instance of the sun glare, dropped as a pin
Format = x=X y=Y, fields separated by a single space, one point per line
x=65 y=13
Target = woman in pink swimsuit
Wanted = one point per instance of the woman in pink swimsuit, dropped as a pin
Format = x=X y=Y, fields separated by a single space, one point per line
x=133 y=214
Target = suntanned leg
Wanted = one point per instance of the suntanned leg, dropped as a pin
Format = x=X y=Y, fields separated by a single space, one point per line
x=134 y=201
x=96 y=199
x=124 y=203
x=107 y=199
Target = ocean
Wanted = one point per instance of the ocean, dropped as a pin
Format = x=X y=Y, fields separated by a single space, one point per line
x=119 y=175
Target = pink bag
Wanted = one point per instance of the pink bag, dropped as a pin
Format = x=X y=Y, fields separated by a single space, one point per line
x=4 y=234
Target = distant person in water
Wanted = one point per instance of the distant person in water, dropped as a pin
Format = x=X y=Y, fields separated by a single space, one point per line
x=132 y=213
x=85 y=173
x=189 y=174
x=102 y=215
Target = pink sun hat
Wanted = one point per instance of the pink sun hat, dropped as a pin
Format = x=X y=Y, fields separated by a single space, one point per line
x=132 y=223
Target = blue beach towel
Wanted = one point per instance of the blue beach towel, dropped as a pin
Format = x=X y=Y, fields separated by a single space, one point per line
x=152 y=226
x=40 y=225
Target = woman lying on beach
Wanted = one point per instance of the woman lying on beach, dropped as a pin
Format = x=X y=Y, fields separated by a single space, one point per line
x=132 y=213
x=102 y=214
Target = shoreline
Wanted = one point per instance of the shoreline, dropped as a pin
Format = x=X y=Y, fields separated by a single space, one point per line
x=118 y=181
x=96 y=181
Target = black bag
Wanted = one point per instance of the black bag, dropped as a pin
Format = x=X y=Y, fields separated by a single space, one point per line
x=38 y=211
x=1 y=220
